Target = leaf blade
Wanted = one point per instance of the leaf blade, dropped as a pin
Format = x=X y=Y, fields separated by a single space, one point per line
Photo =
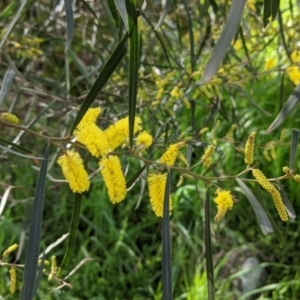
x=232 y=23
x=294 y=144
x=166 y=244
x=32 y=253
x=264 y=222
x=70 y=23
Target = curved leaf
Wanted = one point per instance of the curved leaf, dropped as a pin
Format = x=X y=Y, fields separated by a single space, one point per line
x=276 y=231
x=70 y=23
x=264 y=222
x=208 y=249
x=294 y=144
x=219 y=52
x=134 y=62
x=7 y=80
x=286 y=110
x=120 y=4
x=33 y=247
x=73 y=233
x=166 y=245
x=166 y=8
x=102 y=78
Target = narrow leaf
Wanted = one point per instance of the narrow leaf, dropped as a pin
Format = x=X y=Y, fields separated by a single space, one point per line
x=276 y=231
x=166 y=8
x=166 y=244
x=133 y=179
x=261 y=215
x=134 y=61
x=39 y=274
x=33 y=247
x=289 y=208
x=87 y=6
x=102 y=78
x=219 y=52
x=267 y=12
x=120 y=4
x=274 y=8
x=15 y=146
x=294 y=144
x=70 y=23
x=73 y=233
x=286 y=110
x=208 y=249
x=7 y=80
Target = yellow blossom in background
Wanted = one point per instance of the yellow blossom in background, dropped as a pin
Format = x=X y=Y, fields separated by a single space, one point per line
x=111 y=171
x=156 y=187
x=224 y=202
x=176 y=92
x=270 y=63
x=90 y=117
x=206 y=157
x=251 y=5
x=73 y=169
x=169 y=157
x=13 y=280
x=269 y=187
x=295 y=56
x=294 y=74
x=237 y=45
x=118 y=133
x=286 y=169
x=9 y=250
x=249 y=148
x=297 y=178
x=10 y=118
x=144 y=139
x=93 y=138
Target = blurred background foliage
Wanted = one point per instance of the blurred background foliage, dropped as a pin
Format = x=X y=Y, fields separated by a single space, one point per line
x=118 y=248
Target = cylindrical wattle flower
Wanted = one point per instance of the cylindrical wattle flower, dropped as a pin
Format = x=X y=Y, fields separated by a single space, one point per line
x=113 y=177
x=118 y=133
x=249 y=148
x=144 y=139
x=169 y=157
x=10 y=118
x=73 y=169
x=93 y=138
x=156 y=187
x=13 y=280
x=224 y=202
x=90 y=117
x=207 y=156
x=269 y=187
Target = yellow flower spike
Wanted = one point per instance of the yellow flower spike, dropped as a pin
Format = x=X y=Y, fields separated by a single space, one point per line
x=294 y=74
x=270 y=63
x=262 y=180
x=249 y=148
x=295 y=56
x=13 y=280
x=73 y=169
x=286 y=170
x=113 y=177
x=9 y=250
x=206 y=157
x=118 y=133
x=156 y=187
x=144 y=139
x=297 y=178
x=269 y=187
x=224 y=202
x=160 y=94
x=90 y=117
x=176 y=92
x=169 y=157
x=93 y=138
x=10 y=118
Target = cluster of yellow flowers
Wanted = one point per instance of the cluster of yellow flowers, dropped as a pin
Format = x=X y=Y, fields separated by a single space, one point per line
x=100 y=144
